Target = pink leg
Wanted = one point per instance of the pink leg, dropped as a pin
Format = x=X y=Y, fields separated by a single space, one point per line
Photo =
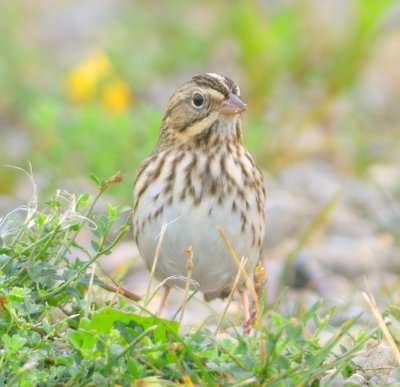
x=244 y=299
x=163 y=301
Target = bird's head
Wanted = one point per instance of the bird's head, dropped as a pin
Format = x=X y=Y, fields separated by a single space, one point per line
x=206 y=107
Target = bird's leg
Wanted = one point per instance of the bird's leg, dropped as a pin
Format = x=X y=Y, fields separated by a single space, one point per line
x=244 y=299
x=163 y=301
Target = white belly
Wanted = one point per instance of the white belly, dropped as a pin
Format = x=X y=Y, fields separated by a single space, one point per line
x=233 y=204
x=213 y=267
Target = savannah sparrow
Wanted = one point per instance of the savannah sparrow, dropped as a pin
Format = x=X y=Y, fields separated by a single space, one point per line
x=200 y=176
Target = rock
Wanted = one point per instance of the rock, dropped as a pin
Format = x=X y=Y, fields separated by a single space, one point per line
x=355 y=380
x=285 y=213
x=334 y=287
x=386 y=176
x=332 y=381
x=377 y=360
x=354 y=256
x=305 y=271
x=379 y=380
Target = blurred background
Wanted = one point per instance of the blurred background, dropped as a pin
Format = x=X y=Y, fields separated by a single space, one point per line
x=84 y=85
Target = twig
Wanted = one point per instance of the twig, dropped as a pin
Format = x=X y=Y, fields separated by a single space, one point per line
x=120 y=290
x=189 y=252
x=230 y=297
x=153 y=268
x=243 y=272
x=385 y=331
x=65 y=284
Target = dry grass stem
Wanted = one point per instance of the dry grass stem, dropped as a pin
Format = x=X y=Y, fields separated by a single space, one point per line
x=153 y=268
x=115 y=295
x=120 y=290
x=385 y=331
x=89 y=293
x=230 y=297
x=259 y=286
x=189 y=252
x=165 y=281
x=249 y=283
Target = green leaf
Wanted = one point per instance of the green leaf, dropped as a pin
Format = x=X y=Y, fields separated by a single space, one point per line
x=83 y=341
x=104 y=320
x=112 y=211
x=96 y=179
x=83 y=201
x=124 y=209
x=99 y=379
x=40 y=219
x=14 y=342
x=282 y=362
x=42 y=273
x=95 y=245
x=101 y=226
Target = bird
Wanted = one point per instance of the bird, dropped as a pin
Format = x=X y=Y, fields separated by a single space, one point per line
x=198 y=177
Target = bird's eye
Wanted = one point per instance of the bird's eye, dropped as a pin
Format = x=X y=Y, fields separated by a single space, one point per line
x=197 y=99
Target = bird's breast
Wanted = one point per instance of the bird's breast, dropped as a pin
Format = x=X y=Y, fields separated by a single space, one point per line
x=192 y=194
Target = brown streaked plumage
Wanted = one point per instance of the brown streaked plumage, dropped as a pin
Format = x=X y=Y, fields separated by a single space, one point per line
x=200 y=176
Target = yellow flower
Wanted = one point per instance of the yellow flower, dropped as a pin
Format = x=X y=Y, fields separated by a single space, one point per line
x=95 y=80
x=83 y=80
x=121 y=268
x=116 y=96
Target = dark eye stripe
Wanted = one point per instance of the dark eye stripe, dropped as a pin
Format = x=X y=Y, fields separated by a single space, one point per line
x=192 y=123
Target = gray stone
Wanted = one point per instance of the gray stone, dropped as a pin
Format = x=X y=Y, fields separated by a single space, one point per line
x=355 y=380
x=332 y=381
x=376 y=360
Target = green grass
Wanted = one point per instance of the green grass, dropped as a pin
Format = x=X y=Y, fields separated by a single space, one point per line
x=91 y=140
x=59 y=326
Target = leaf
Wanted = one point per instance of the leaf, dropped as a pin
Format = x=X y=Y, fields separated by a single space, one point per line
x=99 y=379
x=84 y=342
x=14 y=342
x=112 y=211
x=123 y=209
x=42 y=273
x=83 y=201
x=40 y=219
x=282 y=362
x=96 y=179
x=104 y=320
x=95 y=245
x=101 y=226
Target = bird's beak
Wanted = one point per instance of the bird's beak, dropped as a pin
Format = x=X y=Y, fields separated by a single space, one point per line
x=232 y=105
